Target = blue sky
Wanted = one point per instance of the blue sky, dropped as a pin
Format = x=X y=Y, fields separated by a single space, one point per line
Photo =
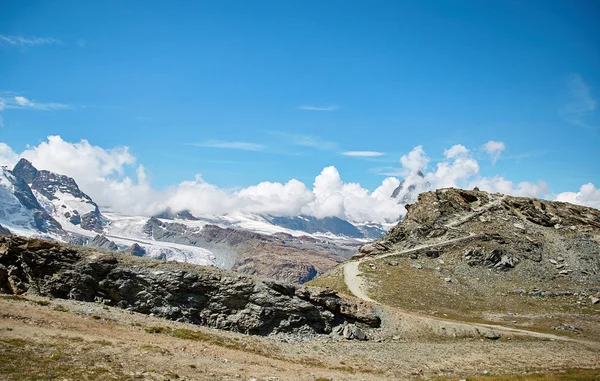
x=248 y=91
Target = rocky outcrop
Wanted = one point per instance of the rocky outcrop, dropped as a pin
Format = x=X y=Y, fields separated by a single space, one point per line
x=4 y=231
x=101 y=242
x=194 y=294
x=498 y=232
x=136 y=250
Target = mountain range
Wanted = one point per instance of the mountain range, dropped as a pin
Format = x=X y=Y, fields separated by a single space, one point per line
x=43 y=204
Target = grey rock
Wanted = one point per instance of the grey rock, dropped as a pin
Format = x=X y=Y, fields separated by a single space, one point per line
x=416 y=266
x=393 y=263
x=352 y=332
x=101 y=242
x=4 y=230
x=136 y=250
x=492 y=335
x=193 y=294
x=594 y=300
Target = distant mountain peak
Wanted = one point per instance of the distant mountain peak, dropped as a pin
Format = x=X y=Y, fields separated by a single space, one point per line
x=59 y=195
x=25 y=171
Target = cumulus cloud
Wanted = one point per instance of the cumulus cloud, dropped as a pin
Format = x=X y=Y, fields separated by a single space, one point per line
x=588 y=195
x=102 y=173
x=459 y=169
x=113 y=178
x=8 y=157
x=494 y=149
x=363 y=153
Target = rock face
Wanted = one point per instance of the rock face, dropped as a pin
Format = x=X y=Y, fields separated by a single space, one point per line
x=19 y=207
x=4 y=230
x=136 y=250
x=61 y=196
x=540 y=240
x=280 y=257
x=194 y=294
x=101 y=242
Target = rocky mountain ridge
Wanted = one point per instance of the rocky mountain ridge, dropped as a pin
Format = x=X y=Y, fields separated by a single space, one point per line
x=281 y=257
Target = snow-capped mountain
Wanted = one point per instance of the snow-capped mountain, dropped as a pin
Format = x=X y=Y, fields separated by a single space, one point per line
x=294 y=248
x=20 y=211
x=60 y=196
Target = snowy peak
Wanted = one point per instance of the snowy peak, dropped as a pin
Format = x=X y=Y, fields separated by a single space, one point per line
x=19 y=208
x=60 y=196
x=410 y=187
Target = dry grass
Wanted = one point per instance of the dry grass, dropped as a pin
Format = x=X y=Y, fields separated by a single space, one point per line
x=27 y=360
x=333 y=279
x=568 y=375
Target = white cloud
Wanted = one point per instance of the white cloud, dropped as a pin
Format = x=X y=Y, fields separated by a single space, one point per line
x=363 y=153
x=580 y=105
x=103 y=174
x=318 y=107
x=588 y=195
x=456 y=151
x=414 y=161
x=494 y=149
x=231 y=145
x=23 y=102
x=20 y=102
x=8 y=157
x=459 y=170
x=24 y=42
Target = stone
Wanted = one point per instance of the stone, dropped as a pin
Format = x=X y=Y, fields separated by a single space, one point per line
x=352 y=332
x=416 y=266
x=393 y=263
x=594 y=300
x=182 y=292
x=553 y=261
x=492 y=335
x=448 y=280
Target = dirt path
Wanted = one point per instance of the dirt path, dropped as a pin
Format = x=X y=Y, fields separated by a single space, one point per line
x=356 y=284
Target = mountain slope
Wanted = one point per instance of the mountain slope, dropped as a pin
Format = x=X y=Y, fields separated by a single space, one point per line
x=486 y=257
x=19 y=209
x=61 y=197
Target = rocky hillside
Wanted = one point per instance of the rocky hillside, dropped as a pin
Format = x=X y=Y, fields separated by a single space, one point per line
x=281 y=256
x=476 y=256
x=193 y=294
x=537 y=238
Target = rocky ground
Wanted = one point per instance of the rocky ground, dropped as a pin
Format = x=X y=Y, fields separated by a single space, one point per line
x=42 y=338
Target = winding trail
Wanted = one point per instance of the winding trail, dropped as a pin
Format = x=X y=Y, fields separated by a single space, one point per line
x=356 y=284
